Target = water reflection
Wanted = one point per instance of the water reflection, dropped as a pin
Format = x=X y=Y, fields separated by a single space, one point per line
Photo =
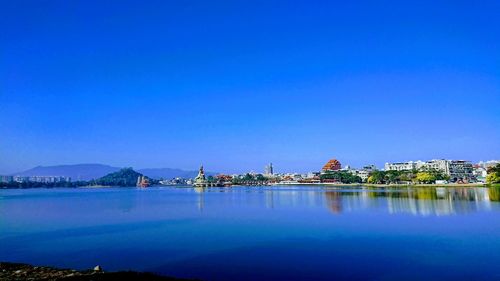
x=418 y=201
x=415 y=201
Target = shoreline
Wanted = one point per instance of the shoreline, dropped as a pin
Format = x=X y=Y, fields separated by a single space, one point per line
x=22 y=271
x=451 y=185
x=339 y=185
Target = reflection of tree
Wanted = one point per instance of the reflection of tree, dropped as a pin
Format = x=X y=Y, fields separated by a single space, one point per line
x=334 y=201
x=437 y=201
x=426 y=193
x=494 y=193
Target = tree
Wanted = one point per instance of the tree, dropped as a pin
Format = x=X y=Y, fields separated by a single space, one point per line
x=123 y=177
x=492 y=178
x=425 y=177
x=493 y=174
x=376 y=177
x=341 y=176
x=392 y=176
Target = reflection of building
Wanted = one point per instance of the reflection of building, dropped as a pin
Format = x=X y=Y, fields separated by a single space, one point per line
x=332 y=165
x=439 y=201
x=415 y=201
x=334 y=201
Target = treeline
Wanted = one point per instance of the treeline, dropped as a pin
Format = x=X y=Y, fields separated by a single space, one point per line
x=30 y=184
x=257 y=179
x=411 y=176
x=123 y=177
x=340 y=176
x=493 y=176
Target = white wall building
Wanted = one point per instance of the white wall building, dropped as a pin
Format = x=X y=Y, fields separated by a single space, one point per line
x=457 y=170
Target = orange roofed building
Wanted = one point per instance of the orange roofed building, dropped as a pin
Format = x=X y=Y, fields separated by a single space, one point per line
x=332 y=165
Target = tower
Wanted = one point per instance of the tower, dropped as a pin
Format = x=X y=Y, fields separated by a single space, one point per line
x=268 y=170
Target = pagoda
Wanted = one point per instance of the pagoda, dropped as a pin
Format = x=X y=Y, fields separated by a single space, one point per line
x=142 y=181
x=200 y=180
x=332 y=165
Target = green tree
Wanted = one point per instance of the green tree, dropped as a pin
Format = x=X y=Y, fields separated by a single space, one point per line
x=493 y=174
x=377 y=177
x=425 y=177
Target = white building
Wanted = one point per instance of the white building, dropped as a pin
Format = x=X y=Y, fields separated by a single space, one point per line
x=401 y=166
x=6 y=179
x=457 y=170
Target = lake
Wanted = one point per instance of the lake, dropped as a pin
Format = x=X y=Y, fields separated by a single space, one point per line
x=259 y=233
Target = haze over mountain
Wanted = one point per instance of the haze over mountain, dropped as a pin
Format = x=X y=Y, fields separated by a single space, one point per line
x=94 y=171
x=168 y=173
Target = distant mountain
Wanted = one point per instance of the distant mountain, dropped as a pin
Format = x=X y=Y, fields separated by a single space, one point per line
x=167 y=173
x=94 y=171
x=76 y=172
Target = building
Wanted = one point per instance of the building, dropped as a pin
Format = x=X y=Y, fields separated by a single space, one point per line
x=269 y=170
x=21 y=179
x=479 y=173
x=370 y=168
x=401 y=166
x=142 y=181
x=489 y=164
x=457 y=170
x=6 y=179
x=439 y=165
x=460 y=170
x=48 y=179
x=332 y=165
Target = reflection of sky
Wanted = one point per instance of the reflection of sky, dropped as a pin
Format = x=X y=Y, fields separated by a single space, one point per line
x=161 y=227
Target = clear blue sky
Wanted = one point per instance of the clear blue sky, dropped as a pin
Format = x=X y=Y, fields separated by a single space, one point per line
x=238 y=84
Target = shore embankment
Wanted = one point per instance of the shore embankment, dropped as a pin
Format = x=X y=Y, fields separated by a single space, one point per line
x=25 y=272
x=360 y=185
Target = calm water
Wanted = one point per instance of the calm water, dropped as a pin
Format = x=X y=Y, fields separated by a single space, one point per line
x=270 y=233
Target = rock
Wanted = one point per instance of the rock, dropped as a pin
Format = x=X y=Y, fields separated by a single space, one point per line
x=18 y=271
x=97 y=268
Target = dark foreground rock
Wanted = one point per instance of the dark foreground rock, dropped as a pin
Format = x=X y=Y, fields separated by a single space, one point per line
x=18 y=271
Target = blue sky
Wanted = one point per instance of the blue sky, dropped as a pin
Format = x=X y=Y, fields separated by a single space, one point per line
x=237 y=84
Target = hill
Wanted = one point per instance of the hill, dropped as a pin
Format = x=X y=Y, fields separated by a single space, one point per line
x=124 y=177
x=86 y=172
x=76 y=172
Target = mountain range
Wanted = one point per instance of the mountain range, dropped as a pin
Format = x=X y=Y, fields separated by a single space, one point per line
x=93 y=171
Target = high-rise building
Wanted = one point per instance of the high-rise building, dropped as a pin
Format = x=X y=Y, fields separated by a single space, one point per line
x=268 y=170
x=460 y=170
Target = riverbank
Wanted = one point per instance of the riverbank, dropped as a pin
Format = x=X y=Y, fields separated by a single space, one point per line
x=449 y=185
x=19 y=271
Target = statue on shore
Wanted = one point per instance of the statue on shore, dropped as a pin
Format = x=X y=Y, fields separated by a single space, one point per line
x=201 y=180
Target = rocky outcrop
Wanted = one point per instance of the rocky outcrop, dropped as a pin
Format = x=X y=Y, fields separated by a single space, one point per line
x=25 y=272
